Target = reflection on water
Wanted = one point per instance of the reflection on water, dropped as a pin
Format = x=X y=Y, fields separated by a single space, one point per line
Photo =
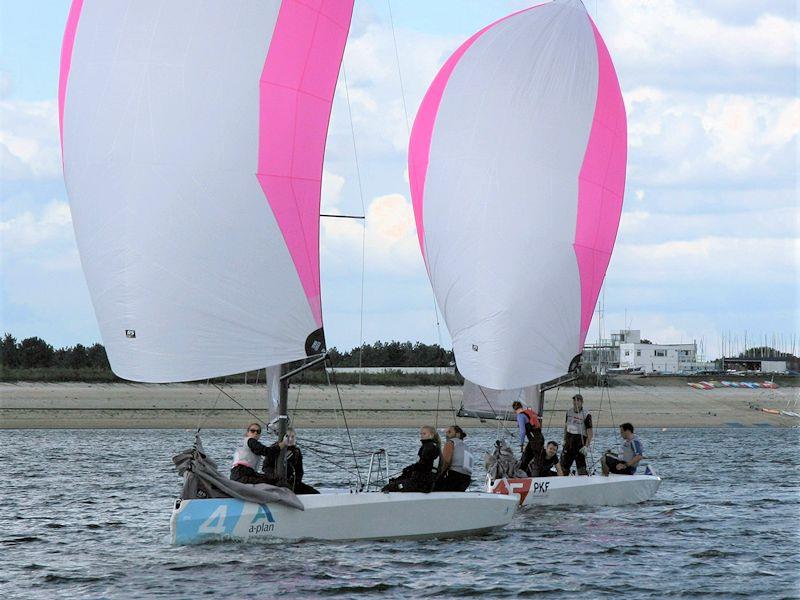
x=86 y=513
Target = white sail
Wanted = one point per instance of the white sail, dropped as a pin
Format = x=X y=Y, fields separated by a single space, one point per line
x=193 y=135
x=486 y=403
x=517 y=171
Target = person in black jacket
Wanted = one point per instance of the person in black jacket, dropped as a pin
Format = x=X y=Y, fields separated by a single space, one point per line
x=287 y=451
x=248 y=456
x=420 y=476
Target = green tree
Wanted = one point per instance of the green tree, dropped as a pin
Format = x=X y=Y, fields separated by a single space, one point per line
x=35 y=352
x=9 y=351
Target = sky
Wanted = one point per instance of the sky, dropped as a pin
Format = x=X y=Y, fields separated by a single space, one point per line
x=709 y=238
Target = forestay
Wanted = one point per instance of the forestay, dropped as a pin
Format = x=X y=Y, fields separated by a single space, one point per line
x=193 y=136
x=517 y=171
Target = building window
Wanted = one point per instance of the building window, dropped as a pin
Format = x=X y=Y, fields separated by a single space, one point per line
x=638 y=353
x=660 y=352
x=627 y=352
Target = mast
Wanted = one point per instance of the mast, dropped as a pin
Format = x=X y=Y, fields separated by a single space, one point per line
x=540 y=392
x=283 y=419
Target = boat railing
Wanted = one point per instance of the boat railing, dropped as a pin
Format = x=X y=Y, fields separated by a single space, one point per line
x=378 y=473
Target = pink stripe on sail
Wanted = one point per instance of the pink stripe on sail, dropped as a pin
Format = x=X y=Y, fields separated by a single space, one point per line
x=297 y=85
x=601 y=185
x=419 y=145
x=67 y=45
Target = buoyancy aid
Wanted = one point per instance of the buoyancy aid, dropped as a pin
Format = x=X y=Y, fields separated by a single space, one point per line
x=429 y=456
x=533 y=418
x=576 y=422
x=246 y=457
x=462 y=459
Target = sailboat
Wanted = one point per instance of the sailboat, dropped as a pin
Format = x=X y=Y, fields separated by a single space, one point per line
x=193 y=138
x=517 y=166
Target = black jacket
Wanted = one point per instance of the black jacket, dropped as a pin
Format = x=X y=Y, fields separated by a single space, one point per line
x=294 y=464
x=428 y=453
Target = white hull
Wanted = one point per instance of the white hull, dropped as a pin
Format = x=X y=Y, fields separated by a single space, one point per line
x=343 y=516
x=578 y=490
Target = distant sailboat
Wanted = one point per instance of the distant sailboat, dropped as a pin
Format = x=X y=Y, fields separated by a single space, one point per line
x=517 y=168
x=193 y=138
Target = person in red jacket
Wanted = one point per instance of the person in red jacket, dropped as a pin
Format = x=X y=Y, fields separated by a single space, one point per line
x=530 y=429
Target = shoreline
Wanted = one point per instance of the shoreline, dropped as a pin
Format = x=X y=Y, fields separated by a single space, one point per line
x=181 y=406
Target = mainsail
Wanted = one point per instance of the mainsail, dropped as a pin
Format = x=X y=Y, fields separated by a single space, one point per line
x=193 y=136
x=517 y=170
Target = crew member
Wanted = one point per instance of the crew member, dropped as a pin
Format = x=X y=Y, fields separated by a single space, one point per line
x=542 y=465
x=456 y=471
x=292 y=464
x=629 y=456
x=247 y=457
x=530 y=429
x=420 y=476
x=577 y=437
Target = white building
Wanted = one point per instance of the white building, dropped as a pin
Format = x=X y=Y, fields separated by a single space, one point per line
x=658 y=358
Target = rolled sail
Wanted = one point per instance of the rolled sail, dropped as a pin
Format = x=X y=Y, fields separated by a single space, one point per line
x=517 y=170
x=193 y=137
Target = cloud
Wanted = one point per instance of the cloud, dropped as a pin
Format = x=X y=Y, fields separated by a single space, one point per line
x=25 y=231
x=678 y=139
x=686 y=45
x=29 y=140
x=704 y=260
x=391 y=241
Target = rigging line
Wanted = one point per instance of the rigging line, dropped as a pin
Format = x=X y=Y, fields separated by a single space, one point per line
x=397 y=58
x=436 y=414
x=347 y=428
x=363 y=229
x=500 y=422
x=240 y=405
x=452 y=405
x=333 y=462
x=201 y=418
x=341 y=216
x=408 y=133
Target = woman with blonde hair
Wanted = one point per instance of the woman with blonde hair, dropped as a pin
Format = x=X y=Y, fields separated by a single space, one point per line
x=420 y=476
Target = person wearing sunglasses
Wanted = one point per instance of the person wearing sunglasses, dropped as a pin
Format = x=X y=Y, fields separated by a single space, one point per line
x=248 y=456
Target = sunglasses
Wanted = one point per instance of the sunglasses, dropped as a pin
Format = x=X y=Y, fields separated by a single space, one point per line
x=255 y=431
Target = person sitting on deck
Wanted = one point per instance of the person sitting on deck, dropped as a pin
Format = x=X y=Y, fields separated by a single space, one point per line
x=248 y=456
x=542 y=465
x=577 y=437
x=291 y=474
x=529 y=429
x=630 y=455
x=420 y=476
x=456 y=471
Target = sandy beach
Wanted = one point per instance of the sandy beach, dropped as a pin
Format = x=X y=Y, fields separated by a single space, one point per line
x=83 y=405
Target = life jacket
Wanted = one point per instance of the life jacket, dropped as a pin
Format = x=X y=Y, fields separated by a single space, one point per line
x=246 y=457
x=429 y=451
x=576 y=422
x=533 y=418
x=462 y=459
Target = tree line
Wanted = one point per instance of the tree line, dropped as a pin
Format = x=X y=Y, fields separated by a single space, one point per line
x=35 y=353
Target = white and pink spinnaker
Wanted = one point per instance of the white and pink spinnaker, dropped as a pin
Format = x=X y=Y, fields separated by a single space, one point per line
x=517 y=169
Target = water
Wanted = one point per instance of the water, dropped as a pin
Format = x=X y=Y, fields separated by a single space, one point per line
x=86 y=514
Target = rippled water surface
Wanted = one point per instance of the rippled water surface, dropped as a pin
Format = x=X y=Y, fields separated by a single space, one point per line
x=86 y=514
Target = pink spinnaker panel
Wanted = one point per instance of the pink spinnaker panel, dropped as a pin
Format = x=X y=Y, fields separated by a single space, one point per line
x=601 y=185
x=419 y=145
x=297 y=86
x=66 y=61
